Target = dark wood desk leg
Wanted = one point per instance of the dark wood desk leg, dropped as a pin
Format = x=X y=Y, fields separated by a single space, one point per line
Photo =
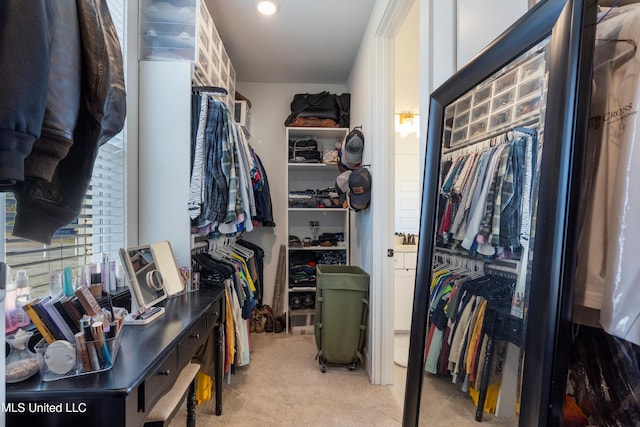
x=191 y=405
x=484 y=381
x=219 y=365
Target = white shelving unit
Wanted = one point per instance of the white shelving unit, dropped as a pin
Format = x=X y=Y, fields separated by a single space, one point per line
x=330 y=219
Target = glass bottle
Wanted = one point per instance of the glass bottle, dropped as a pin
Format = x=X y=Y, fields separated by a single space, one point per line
x=55 y=283
x=21 y=363
x=22 y=298
x=10 y=307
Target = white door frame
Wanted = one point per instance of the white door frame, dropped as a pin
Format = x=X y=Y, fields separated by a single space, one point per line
x=383 y=213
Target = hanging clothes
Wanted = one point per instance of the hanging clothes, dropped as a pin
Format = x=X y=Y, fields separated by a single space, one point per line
x=485 y=197
x=234 y=267
x=256 y=263
x=456 y=335
x=226 y=175
x=264 y=208
x=607 y=268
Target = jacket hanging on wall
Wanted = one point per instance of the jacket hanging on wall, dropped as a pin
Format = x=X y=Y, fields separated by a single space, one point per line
x=63 y=97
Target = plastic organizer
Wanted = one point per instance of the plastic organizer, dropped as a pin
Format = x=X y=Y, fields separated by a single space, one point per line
x=301 y=321
x=50 y=373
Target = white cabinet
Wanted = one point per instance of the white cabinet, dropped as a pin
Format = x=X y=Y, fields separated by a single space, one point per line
x=318 y=228
x=404 y=284
x=405 y=260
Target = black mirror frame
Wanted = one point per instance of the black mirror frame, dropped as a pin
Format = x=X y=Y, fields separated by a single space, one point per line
x=570 y=24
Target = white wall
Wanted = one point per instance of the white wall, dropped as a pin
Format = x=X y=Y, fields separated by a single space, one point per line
x=164 y=155
x=269 y=109
x=359 y=85
x=479 y=23
x=372 y=107
x=407 y=145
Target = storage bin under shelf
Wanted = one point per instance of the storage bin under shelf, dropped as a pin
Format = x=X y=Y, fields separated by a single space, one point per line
x=301 y=321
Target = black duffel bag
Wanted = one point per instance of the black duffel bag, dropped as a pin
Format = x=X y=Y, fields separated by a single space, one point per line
x=323 y=105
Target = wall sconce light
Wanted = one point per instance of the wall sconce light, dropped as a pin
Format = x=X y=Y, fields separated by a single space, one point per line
x=406 y=123
x=406 y=117
x=268 y=7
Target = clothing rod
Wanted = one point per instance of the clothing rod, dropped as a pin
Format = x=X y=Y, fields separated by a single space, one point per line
x=199 y=247
x=214 y=90
x=503 y=262
x=496 y=268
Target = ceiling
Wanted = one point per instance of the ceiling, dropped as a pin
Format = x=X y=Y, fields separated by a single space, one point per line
x=308 y=41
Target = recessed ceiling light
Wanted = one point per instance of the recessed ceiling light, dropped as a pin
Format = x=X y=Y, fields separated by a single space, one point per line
x=268 y=7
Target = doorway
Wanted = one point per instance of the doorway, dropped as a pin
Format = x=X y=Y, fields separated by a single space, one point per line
x=406 y=176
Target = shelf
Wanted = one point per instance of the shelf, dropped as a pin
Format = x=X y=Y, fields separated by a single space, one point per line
x=313 y=165
x=322 y=133
x=301 y=213
x=302 y=311
x=317 y=209
x=302 y=289
x=318 y=248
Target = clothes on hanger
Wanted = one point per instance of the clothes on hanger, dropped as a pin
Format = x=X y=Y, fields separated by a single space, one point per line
x=256 y=263
x=485 y=197
x=460 y=294
x=607 y=269
x=264 y=208
x=235 y=266
x=226 y=175
x=63 y=96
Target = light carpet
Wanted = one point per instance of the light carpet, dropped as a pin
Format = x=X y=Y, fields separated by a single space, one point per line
x=283 y=386
x=401 y=349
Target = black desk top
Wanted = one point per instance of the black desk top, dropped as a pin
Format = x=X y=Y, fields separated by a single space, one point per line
x=141 y=348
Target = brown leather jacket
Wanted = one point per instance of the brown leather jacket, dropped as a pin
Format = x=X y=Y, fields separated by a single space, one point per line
x=85 y=107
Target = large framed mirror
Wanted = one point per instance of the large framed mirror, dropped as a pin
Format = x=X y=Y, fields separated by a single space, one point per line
x=492 y=302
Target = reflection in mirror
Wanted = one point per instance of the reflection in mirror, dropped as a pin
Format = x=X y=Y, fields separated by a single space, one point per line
x=479 y=282
x=145 y=279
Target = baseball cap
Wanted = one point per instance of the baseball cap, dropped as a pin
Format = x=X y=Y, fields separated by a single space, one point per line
x=351 y=150
x=342 y=187
x=359 y=189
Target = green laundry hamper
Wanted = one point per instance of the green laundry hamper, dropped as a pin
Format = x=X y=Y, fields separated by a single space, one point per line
x=342 y=311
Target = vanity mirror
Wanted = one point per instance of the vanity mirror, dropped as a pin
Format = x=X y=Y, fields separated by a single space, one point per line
x=153 y=274
x=146 y=282
x=166 y=262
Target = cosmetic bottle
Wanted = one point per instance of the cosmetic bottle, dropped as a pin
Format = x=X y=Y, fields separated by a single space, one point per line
x=22 y=298
x=10 y=306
